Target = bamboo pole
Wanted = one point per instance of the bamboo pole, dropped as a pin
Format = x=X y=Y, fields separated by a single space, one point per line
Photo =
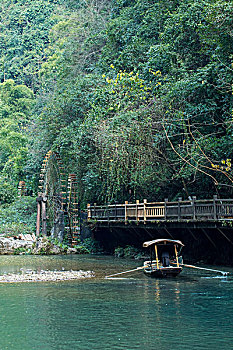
x=121 y=273
x=224 y=273
x=177 y=261
x=156 y=256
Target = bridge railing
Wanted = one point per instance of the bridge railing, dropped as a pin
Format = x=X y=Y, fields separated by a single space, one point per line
x=199 y=210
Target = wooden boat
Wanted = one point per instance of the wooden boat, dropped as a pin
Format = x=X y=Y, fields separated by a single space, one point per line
x=167 y=261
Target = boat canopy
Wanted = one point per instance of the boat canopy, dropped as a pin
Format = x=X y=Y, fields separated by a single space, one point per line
x=162 y=241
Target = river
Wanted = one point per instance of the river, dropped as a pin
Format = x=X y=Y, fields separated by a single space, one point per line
x=192 y=311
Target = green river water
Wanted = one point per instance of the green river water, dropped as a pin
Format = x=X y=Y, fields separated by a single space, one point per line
x=192 y=311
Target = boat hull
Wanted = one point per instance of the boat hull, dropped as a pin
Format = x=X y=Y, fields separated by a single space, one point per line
x=163 y=272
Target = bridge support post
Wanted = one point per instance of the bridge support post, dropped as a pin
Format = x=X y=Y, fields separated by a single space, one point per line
x=179 y=209
x=126 y=214
x=144 y=210
x=194 y=209
x=215 y=207
x=88 y=211
x=115 y=212
x=165 y=208
x=136 y=214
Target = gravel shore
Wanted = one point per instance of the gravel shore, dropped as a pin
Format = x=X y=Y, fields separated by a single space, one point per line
x=45 y=276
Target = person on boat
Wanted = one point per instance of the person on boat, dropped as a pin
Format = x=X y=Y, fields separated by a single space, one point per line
x=165 y=259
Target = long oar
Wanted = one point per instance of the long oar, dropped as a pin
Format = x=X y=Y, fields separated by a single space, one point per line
x=203 y=268
x=121 y=273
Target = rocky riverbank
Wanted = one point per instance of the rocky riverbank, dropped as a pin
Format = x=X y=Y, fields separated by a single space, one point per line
x=45 y=276
x=29 y=244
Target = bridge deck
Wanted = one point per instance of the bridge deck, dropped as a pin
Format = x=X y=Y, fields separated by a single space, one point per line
x=191 y=210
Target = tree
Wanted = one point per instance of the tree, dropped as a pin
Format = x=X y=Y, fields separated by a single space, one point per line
x=16 y=102
x=24 y=35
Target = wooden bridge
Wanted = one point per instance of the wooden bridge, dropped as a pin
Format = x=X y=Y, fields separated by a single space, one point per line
x=180 y=211
x=204 y=226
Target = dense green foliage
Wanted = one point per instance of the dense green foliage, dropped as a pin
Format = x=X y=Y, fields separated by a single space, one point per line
x=136 y=96
x=18 y=217
x=25 y=27
x=16 y=104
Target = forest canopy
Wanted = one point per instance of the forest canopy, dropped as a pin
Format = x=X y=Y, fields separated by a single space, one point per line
x=135 y=95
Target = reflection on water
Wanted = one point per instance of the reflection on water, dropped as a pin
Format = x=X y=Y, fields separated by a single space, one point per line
x=192 y=311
